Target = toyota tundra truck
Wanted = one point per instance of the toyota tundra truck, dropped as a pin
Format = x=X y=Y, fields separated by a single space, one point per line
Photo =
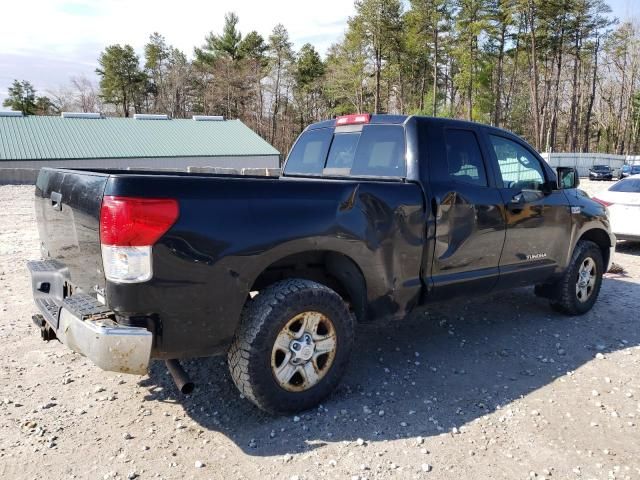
x=372 y=216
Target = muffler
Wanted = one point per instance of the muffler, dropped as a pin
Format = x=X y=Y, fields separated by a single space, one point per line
x=180 y=377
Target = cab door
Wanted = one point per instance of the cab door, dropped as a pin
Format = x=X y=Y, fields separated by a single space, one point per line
x=538 y=216
x=467 y=207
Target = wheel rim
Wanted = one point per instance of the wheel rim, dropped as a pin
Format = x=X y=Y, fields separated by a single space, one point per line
x=586 y=279
x=304 y=351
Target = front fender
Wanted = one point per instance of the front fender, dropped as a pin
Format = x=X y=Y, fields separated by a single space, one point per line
x=590 y=220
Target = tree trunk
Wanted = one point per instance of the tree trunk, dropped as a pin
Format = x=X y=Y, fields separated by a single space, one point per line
x=573 y=117
x=533 y=83
x=499 y=71
x=553 y=128
x=592 y=97
x=434 y=110
x=470 y=86
x=276 y=100
x=618 y=143
x=125 y=104
x=423 y=87
x=514 y=73
x=378 y=67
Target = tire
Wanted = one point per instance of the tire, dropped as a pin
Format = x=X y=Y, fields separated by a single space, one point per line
x=567 y=297
x=307 y=315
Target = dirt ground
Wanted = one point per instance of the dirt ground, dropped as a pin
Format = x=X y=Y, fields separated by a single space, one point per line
x=493 y=387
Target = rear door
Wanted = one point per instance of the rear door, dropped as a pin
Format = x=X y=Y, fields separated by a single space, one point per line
x=68 y=216
x=467 y=206
x=538 y=215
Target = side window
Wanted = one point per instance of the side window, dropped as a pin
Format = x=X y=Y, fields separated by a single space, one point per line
x=309 y=153
x=518 y=167
x=464 y=160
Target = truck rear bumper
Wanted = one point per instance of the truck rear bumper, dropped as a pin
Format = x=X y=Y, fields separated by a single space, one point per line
x=85 y=325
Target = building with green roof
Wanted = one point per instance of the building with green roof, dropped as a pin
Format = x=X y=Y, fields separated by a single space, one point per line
x=78 y=140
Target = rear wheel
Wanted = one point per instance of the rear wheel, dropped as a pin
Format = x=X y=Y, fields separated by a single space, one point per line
x=577 y=291
x=292 y=346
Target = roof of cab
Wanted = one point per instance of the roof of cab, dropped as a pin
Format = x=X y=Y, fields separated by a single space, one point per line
x=375 y=119
x=400 y=119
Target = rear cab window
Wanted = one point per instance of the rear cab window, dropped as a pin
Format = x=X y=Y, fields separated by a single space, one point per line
x=371 y=150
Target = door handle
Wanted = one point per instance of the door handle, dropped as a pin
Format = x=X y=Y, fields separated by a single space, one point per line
x=56 y=201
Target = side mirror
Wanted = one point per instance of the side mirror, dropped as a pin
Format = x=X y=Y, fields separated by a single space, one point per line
x=567 y=177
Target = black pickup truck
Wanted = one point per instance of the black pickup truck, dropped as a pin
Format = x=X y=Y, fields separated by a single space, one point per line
x=371 y=217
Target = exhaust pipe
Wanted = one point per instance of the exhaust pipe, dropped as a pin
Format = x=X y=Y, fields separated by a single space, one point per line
x=183 y=382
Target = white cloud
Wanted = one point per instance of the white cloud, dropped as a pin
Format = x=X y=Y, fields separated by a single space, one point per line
x=60 y=38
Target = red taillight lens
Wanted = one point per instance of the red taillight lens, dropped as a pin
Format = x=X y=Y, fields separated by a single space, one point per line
x=353 y=119
x=602 y=202
x=128 y=221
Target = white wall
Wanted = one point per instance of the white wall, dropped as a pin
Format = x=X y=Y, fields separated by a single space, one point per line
x=583 y=161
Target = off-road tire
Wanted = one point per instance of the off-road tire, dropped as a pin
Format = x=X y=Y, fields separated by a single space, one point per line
x=565 y=299
x=262 y=319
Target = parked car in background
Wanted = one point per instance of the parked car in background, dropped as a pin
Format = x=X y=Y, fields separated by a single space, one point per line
x=600 y=172
x=628 y=170
x=623 y=201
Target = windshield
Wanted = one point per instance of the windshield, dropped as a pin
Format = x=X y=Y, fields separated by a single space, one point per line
x=375 y=151
x=628 y=185
x=600 y=168
x=635 y=169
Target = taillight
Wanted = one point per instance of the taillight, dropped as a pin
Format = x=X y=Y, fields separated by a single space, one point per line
x=129 y=227
x=602 y=202
x=353 y=119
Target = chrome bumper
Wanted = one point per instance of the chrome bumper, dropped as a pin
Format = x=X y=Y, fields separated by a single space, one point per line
x=110 y=346
x=86 y=326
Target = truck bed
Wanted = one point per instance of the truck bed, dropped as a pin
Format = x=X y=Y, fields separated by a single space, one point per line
x=230 y=229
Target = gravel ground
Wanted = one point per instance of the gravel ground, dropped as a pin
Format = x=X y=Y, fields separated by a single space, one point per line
x=493 y=387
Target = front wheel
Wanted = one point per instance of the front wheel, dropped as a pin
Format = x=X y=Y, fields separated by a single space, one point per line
x=292 y=346
x=578 y=289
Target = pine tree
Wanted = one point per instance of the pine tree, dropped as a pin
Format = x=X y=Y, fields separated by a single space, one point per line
x=122 y=82
x=21 y=98
x=225 y=45
x=280 y=54
x=380 y=23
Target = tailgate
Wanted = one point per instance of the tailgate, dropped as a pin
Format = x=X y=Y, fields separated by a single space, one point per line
x=68 y=214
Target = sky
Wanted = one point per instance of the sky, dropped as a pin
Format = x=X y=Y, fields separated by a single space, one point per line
x=49 y=41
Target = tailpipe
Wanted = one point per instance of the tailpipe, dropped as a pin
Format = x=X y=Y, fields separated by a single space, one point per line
x=183 y=382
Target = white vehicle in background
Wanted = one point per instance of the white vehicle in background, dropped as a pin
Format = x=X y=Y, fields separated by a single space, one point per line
x=623 y=200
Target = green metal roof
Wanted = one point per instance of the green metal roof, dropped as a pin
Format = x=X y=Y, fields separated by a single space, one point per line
x=43 y=138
